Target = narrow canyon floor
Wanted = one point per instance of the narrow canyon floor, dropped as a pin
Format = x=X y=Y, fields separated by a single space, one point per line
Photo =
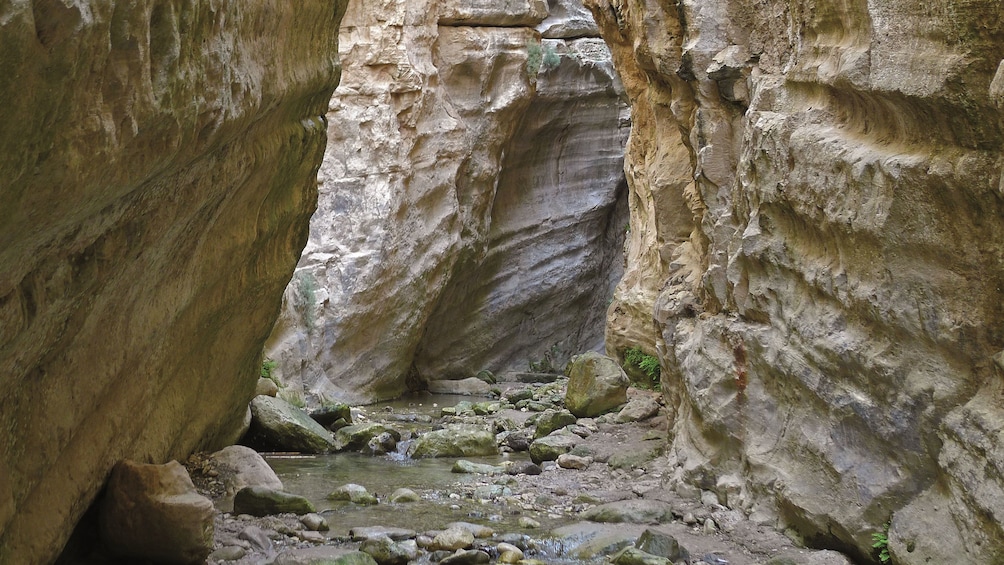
x=545 y=515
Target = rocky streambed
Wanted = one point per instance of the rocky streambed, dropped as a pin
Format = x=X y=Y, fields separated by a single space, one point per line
x=513 y=478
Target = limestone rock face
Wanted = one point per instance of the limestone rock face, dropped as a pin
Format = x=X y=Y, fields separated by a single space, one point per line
x=157 y=165
x=816 y=218
x=468 y=214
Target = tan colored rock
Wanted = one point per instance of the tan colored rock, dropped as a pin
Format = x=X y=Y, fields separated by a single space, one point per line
x=240 y=467
x=153 y=512
x=814 y=251
x=157 y=170
x=468 y=215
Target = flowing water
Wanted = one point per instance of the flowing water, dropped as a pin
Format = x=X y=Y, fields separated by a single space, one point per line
x=445 y=496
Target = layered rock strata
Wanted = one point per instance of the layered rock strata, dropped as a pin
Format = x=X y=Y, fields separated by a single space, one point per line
x=816 y=204
x=468 y=215
x=158 y=163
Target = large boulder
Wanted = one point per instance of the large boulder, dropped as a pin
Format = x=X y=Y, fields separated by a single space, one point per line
x=552 y=420
x=454 y=441
x=278 y=425
x=239 y=466
x=356 y=436
x=596 y=385
x=153 y=512
x=634 y=511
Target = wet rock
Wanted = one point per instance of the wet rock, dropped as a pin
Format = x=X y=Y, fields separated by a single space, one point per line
x=468 y=557
x=228 y=553
x=464 y=466
x=662 y=544
x=314 y=522
x=550 y=447
x=381 y=444
x=552 y=420
x=264 y=501
x=454 y=441
x=452 y=539
x=365 y=533
x=323 y=555
x=386 y=551
x=508 y=553
x=569 y=461
x=243 y=467
x=470 y=386
x=596 y=384
x=357 y=494
x=355 y=437
x=517 y=442
x=638 y=409
x=635 y=556
x=477 y=530
x=524 y=468
x=266 y=387
x=331 y=412
x=403 y=495
x=517 y=395
x=154 y=512
x=278 y=425
x=638 y=511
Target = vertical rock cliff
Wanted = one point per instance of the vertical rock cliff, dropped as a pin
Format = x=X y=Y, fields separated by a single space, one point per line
x=815 y=253
x=158 y=166
x=467 y=217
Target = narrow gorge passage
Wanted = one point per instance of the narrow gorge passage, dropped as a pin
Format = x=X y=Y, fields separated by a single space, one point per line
x=780 y=221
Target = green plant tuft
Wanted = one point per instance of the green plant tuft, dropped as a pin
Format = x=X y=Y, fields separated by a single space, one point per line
x=551 y=59
x=267 y=366
x=534 y=56
x=881 y=542
x=648 y=364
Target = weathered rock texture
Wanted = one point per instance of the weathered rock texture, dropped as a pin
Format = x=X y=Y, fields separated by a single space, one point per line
x=468 y=216
x=157 y=164
x=815 y=251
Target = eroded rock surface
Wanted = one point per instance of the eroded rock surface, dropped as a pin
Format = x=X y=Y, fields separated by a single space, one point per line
x=157 y=165
x=816 y=204
x=468 y=217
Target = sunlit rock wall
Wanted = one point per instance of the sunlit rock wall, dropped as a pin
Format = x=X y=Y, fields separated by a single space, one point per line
x=468 y=215
x=816 y=227
x=157 y=166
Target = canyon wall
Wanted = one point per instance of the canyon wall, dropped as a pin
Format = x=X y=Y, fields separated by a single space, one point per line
x=817 y=211
x=158 y=165
x=468 y=215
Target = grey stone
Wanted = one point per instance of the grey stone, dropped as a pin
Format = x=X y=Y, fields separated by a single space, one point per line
x=263 y=501
x=243 y=467
x=464 y=466
x=396 y=534
x=355 y=437
x=330 y=412
x=228 y=553
x=357 y=494
x=386 y=551
x=569 y=461
x=403 y=495
x=468 y=557
x=638 y=511
x=635 y=556
x=278 y=425
x=470 y=386
x=596 y=385
x=323 y=555
x=552 y=420
x=452 y=539
x=454 y=441
x=550 y=447
x=257 y=537
x=154 y=512
x=314 y=522
x=638 y=409
x=661 y=544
